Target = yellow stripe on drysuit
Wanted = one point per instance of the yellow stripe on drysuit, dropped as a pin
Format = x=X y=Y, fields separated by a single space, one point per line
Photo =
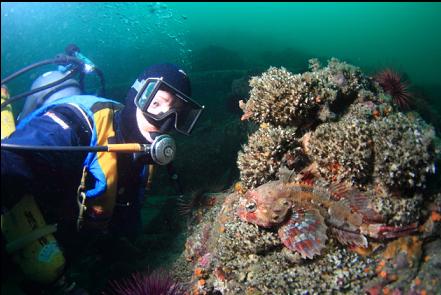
x=108 y=162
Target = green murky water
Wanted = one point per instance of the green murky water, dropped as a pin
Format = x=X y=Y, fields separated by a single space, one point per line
x=122 y=38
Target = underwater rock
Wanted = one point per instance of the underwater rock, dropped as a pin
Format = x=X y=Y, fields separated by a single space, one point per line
x=281 y=98
x=331 y=126
x=343 y=150
x=408 y=266
x=262 y=155
x=399 y=211
x=248 y=259
x=240 y=89
x=347 y=130
x=404 y=151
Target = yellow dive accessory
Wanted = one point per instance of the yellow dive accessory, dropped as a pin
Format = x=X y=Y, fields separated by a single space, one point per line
x=148 y=185
x=31 y=243
x=8 y=123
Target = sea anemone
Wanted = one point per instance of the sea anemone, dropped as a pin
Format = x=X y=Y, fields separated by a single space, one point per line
x=198 y=198
x=187 y=204
x=397 y=87
x=158 y=282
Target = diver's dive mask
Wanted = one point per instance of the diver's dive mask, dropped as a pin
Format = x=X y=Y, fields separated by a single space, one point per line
x=183 y=110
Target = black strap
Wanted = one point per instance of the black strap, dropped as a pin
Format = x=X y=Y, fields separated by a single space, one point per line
x=76 y=120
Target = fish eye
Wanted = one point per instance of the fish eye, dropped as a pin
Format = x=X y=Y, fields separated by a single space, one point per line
x=285 y=202
x=251 y=207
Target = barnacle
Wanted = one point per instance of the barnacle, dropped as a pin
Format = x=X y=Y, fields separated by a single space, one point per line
x=262 y=155
x=285 y=99
x=341 y=150
x=404 y=151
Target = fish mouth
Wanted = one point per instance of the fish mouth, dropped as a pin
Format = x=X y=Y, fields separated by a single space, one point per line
x=276 y=219
x=248 y=217
x=241 y=213
x=268 y=224
x=245 y=216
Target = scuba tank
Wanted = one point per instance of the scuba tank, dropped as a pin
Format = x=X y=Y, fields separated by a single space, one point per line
x=66 y=88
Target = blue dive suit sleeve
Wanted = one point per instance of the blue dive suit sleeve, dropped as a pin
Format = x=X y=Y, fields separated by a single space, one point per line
x=20 y=170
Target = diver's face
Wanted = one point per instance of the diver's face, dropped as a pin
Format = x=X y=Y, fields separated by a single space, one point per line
x=161 y=103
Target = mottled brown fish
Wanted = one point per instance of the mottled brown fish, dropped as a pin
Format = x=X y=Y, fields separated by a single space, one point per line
x=304 y=212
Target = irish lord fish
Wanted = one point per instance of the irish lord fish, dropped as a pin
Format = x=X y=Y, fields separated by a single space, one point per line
x=304 y=214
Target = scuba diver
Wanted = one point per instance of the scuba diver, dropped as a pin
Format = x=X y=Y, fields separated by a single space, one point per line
x=78 y=162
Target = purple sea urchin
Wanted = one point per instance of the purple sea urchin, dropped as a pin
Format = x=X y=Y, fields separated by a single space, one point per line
x=393 y=84
x=158 y=282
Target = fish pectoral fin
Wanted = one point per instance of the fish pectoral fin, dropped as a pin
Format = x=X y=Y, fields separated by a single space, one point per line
x=359 y=202
x=304 y=232
x=350 y=238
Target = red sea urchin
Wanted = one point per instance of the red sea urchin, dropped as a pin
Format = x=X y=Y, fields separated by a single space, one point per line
x=398 y=88
x=159 y=282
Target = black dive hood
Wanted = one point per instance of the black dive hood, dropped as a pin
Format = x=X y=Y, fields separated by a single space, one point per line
x=162 y=151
